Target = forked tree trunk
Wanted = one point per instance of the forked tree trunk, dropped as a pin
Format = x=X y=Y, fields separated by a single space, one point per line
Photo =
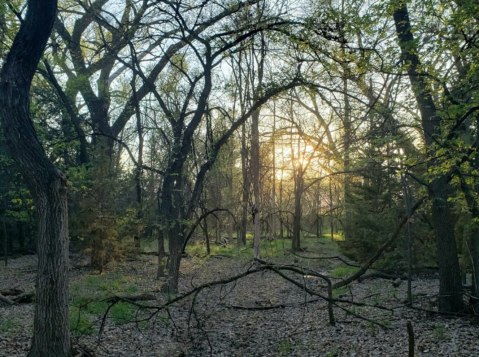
x=51 y=336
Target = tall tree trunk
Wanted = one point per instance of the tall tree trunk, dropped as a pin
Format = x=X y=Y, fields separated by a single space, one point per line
x=298 y=191
x=255 y=155
x=139 y=167
x=450 y=285
x=161 y=243
x=231 y=222
x=281 y=224
x=331 y=208
x=273 y=191
x=246 y=187
x=51 y=335
x=346 y=140
x=255 y=169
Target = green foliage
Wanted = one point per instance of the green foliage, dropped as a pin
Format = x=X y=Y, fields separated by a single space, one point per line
x=375 y=205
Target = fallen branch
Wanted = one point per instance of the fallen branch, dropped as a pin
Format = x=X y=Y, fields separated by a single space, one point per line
x=9 y=292
x=24 y=298
x=279 y=270
x=16 y=296
x=324 y=258
x=6 y=300
x=119 y=298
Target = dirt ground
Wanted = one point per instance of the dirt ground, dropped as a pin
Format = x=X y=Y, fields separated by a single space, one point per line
x=261 y=314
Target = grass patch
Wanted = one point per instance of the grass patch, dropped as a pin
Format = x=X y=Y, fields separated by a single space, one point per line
x=99 y=287
x=122 y=313
x=80 y=323
x=9 y=327
x=269 y=248
x=87 y=300
x=386 y=322
x=342 y=271
x=284 y=348
x=339 y=292
x=97 y=307
x=440 y=332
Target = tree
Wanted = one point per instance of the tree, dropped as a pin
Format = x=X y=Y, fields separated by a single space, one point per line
x=450 y=290
x=47 y=184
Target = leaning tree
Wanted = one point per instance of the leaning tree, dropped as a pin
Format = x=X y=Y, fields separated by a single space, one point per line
x=51 y=336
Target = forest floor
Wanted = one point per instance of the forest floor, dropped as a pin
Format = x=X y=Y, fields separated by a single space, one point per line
x=261 y=314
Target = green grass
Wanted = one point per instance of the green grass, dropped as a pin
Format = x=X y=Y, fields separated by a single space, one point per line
x=9 y=327
x=284 y=348
x=97 y=307
x=269 y=248
x=340 y=291
x=80 y=323
x=342 y=271
x=439 y=332
x=122 y=313
x=87 y=301
x=386 y=322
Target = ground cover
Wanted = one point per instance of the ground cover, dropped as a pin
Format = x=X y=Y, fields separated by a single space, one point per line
x=261 y=314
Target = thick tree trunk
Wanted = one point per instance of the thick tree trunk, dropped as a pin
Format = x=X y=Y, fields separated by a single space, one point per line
x=174 y=267
x=172 y=211
x=51 y=336
x=450 y=283
x=450 y=291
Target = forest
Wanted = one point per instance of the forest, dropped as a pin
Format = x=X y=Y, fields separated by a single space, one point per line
x=239 y=178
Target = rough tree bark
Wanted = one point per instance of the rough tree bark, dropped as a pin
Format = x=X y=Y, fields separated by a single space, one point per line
x=47 y=185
